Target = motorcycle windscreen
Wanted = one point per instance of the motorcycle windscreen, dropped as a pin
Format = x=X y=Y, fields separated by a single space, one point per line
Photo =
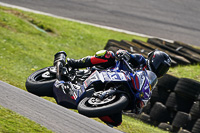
x=153 y=80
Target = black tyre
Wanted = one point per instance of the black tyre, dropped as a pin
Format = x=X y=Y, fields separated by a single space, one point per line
x=196 y=128
x=171 y=102
x=187 y=46
x=195 y=110
x=159 y=113
x=159 y=95
x=165 y=126
x=145 y=118
x=41 y=82
x=167 y=82
x=177 y=102
x=188 y=88
x=181 y=120
x=91 y=107
x=183 y=131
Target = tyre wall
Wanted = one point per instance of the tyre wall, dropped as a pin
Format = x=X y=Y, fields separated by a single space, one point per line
x=175 y=102
x=180 y=53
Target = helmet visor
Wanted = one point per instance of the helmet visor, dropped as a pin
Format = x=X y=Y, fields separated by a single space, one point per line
x=161 y=69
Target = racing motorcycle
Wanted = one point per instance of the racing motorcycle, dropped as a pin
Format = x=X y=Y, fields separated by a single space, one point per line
x=107 y=91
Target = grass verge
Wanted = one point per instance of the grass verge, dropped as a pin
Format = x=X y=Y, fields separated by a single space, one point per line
x=29 y=41
x=190 y=71
x=11 y=122
x=24 y=48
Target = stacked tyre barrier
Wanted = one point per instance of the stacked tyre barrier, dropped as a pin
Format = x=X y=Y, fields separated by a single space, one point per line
x=180 y=53
x=175 y=102
x=174 y=105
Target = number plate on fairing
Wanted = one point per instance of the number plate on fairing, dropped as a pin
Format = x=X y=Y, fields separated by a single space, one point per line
x=113 y=76
x=104 y=76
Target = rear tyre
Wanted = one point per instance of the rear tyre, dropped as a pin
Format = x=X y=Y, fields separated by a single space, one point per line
x=91 y=107
x=41 y=82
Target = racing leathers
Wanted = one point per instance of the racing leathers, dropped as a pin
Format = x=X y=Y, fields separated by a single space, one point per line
x=67 y=94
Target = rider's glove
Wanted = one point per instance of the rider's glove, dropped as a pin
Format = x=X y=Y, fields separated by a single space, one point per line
x=123 y=54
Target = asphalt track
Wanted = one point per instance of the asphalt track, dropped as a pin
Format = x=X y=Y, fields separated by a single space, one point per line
x=48 y=114
x=177 y=20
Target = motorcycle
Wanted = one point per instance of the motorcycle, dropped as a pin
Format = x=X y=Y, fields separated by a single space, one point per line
x=107 y=91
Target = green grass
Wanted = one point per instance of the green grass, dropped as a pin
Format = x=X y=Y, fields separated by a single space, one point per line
x=190 y=71
x=25 y=48
x=133 y=125
x=11 y=122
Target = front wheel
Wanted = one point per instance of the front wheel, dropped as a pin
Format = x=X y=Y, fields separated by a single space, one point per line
x=94 y=107
x=41 y=82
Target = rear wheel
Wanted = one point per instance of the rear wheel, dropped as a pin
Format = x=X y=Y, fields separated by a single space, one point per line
x=94 y=107
x=41 y=82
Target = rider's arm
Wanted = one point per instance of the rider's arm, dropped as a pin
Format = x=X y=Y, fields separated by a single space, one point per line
x=137 y=60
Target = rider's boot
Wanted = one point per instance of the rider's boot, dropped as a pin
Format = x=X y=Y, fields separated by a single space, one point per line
x=102 y=59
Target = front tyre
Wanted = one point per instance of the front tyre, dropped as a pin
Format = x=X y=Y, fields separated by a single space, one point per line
x=41 y=82
x=92 y=107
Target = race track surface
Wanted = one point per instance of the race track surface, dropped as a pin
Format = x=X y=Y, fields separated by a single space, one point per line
x=48 y=114
x=177 y=20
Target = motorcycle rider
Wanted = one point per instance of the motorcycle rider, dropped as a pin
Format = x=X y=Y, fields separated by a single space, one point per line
x=157 y=62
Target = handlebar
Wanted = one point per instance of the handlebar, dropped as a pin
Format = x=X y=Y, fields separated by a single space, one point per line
x=59 y=62
x=129 y=67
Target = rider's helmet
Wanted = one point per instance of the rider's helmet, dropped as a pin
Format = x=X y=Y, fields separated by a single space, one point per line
x=158 y=62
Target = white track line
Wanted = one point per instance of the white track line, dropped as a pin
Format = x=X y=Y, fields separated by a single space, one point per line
x=82 y=22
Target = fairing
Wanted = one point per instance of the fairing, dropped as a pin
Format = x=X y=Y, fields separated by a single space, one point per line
x=105 y=76
x=140 y=82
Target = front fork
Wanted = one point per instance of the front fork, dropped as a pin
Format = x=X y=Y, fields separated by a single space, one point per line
x=59 y=63
x=105 y=94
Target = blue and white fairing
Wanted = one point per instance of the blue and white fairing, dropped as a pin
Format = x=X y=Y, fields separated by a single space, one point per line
x=143 y=82
x=105 y=76
x=140 y=83
x=114 y=74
